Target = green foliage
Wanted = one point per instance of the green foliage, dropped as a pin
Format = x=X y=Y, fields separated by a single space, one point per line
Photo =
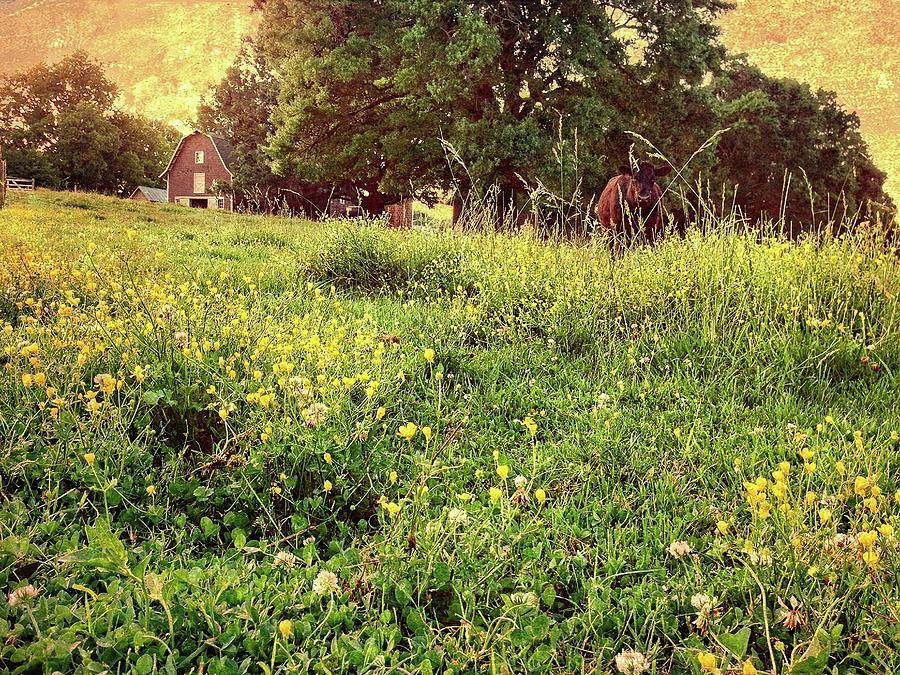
x=59 y=126
x=377 y=94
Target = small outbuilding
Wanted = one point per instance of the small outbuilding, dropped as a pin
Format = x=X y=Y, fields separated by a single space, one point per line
x=200 y=161
x=149 y=194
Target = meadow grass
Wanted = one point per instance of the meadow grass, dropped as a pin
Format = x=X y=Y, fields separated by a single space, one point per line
x=245 y=444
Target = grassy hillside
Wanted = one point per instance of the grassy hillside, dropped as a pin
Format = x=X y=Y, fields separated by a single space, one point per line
x=242 y=444
x=164 y=55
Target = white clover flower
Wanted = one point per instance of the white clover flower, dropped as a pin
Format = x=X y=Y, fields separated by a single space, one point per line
x=520 y=481
x=703 y=603
x=457 y=517
x=326 y=583
x=678 y=549
x=631 y=662
x=284 y=559
x=761 y=558
x=21 y=594
x=315 y=414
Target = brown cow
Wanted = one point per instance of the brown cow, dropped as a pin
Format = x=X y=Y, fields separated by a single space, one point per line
x=631 y=204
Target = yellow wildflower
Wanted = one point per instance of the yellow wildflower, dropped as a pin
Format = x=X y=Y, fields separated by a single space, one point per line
x=426 y=432
x=428 y=355
x=407 y=431
x=871 y=557
x=151 y=490
x=530 y=425
x=285 y=627
x=708 y=663
x=328 y=486
x=867 y=539
x=503 y=471
x=495 y=494
x=89 y=458
x=540 y=495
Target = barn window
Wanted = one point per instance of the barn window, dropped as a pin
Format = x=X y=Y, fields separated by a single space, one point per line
x=199 y=183
x=198 y=157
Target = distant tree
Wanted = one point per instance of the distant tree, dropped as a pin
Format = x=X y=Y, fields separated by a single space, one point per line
x=145 y=147
x=781 y=126
x=86 y=147
x=32 y=101
x=240 y=109
x=370 y=90
x=60 y=126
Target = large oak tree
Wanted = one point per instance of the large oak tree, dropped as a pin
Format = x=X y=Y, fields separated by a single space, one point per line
x=404 y=96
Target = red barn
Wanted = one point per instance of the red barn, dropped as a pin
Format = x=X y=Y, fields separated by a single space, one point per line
x=199 y=161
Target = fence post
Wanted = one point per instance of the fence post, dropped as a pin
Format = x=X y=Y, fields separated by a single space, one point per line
x=2 y=179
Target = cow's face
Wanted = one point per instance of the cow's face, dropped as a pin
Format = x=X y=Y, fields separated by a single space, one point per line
x=642 y=180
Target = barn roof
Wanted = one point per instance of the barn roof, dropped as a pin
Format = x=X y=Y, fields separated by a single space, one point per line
x=226 y=150
x=222 y=145
x=152 y=194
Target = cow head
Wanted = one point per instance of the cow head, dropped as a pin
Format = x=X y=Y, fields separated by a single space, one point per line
x=640 y=188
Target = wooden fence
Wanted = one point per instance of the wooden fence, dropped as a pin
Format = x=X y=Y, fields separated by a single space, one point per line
x=19 y=183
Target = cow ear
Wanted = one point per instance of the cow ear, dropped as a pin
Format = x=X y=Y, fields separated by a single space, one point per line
x=625 y=170
x=663 y=170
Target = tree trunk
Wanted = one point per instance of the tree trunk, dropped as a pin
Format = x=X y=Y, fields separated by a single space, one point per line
x=2 y=179
x=376 y=202
x=507 y=218
x=458 y=203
